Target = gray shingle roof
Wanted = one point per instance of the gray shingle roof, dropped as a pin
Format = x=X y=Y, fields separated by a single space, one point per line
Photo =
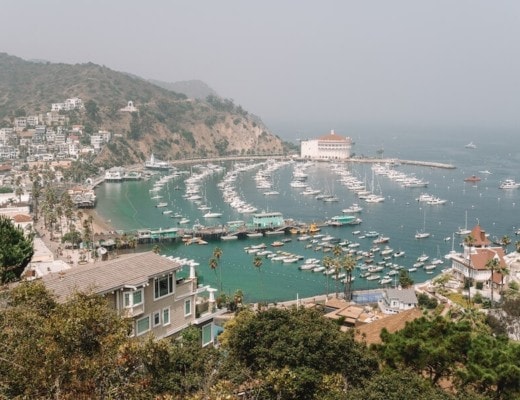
x=406 y=296
x=106 y=276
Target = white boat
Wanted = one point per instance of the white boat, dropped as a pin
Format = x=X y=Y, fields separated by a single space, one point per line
x=422 y=235
x=373 y=277
x=386 y=280
x=212 y=215
x=464 y=231
x=165 y=212
x=254 y=234
x=430 y=267
x=228 y=237
x=423 y=257
x=160 y=205
x=354 y=208
x=154 y=163
x=509 y=184
x=413 y=269
x=485 y=172
x=184 y=221
x=471 y=145
x=399 y=253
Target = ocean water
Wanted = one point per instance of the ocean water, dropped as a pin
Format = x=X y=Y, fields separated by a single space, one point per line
x=129 y=206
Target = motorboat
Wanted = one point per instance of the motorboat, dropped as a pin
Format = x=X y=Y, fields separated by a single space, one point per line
x=212 y=215
x=354 y=208
x=472 y=179
x=509 y=184
x=471 y=145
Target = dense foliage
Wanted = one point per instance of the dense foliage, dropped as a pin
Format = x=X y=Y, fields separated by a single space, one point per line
x=82 y=349
x=16 y=250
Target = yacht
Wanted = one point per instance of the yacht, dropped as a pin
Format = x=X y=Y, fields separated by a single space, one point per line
x=354 y=208
x=212 y=215
x=153 y=163
x=471 y=145
x=509 y=184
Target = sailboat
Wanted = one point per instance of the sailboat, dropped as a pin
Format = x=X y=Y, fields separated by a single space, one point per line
x=464 y=231
x=373 y=197
x=423 y=234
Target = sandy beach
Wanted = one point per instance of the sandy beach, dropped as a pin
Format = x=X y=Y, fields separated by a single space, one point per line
x=101 y=229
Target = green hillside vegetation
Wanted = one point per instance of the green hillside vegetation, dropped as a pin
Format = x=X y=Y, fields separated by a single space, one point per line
x=81 y=349
x=168 y=124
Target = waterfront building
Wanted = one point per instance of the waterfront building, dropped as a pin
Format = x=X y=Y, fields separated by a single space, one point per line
x=147 y=288
x=327 y=147
x=268 y=220
x=471 y=264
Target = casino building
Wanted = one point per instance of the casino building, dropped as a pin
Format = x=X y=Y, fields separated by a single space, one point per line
x=327 y=147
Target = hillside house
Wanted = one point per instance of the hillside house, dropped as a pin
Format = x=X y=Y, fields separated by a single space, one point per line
x=152 y=290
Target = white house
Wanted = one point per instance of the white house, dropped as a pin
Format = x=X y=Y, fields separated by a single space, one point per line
x=327 y=147
x=394 y=301
x=472 y=263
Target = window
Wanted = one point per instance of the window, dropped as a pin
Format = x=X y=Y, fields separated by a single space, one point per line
x=187 y=307
x=166 y=316
x=134 y=298
x=143 y=325
x=163 y=286
x=207 y=336
x=156 y=318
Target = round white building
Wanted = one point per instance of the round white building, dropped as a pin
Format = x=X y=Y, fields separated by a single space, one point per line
x=327 y=147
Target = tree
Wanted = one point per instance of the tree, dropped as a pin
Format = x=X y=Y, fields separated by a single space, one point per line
x=431 y=347
x=504 y=242
x=469 y=241
x=298 y=344
x=492 y=264
x=327 y=262
x=217 y=253
x=16 y=250
x=257 y=263
x=76 y=349
x=348 y=263
x=404 y=279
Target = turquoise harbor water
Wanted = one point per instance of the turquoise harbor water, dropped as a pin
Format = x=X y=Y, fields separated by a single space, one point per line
x=129 y=206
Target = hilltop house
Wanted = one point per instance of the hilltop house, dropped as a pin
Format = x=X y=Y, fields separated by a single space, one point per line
x=150 y=289
x=472 y=263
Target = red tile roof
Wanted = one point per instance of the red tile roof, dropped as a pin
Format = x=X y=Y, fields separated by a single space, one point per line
x=332 y=136
x=479 y=235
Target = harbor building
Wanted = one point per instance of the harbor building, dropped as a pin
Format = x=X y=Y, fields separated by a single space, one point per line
x=268 y=220
x=327 y=147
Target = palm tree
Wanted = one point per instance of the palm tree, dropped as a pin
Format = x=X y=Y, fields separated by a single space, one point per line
x=327 y=262
x=217 y=253
x=156 y=249
x=257 y=263
x=492 y=264
x=348 y=264
x=469 y=241
x=213 y=264
x=504 y=242
x=517 y=246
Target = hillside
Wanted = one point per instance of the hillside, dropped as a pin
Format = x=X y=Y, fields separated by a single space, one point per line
x=169 y=124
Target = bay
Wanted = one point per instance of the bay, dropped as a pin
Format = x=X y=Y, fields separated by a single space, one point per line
x=129 y=206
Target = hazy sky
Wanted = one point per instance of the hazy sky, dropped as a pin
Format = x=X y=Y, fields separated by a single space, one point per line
x=322 y=63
